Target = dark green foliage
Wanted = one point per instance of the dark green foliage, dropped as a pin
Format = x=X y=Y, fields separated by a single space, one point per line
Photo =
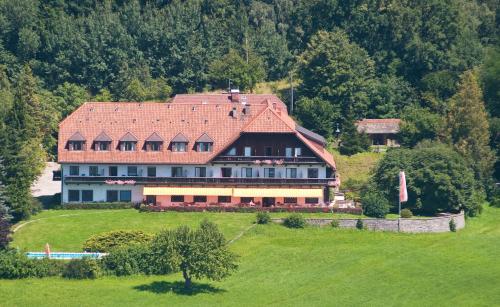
x=241 y=73
x=490 y=77
x=85 y=268
x=360 y=225
x=419 y=124
x=352 y=141
x=294 y=220
x=15 y=265
x=263 y=217
x=5 y=232
x=199 y=253
x=438 y=179
x=335 y=223
x=129 y=260
x=319 y=115
x=406 y=213
x=98 y=205
x=374 y=204
x=105 y=242
x=453 y=225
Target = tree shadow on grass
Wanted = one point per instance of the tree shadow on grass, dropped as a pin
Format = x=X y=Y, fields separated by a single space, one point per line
x=177 y=287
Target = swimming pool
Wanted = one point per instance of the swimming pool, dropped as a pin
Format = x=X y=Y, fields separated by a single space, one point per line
x=64 y=256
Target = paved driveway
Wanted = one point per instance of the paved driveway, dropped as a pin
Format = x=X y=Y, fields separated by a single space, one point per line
x=44 y=186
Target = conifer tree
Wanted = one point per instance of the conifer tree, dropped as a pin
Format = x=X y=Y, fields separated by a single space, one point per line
x=352 y=141
x=467 y=127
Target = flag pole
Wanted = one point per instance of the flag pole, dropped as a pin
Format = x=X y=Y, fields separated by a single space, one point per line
x=399 y=214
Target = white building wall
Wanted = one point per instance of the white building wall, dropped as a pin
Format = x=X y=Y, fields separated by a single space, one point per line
x=166 y=171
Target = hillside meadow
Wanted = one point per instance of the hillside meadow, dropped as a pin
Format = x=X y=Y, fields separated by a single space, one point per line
x=279 y=266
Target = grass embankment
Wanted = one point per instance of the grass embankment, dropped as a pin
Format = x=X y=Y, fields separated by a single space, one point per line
x=356 y=167
x=279 y=266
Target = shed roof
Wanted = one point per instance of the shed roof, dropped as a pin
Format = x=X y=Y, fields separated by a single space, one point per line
x=379 y=126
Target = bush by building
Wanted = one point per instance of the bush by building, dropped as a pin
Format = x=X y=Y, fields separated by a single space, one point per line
x=107 y=241
x=263 y=217
x=99 y=205
x=16 y=265
x=294 y=220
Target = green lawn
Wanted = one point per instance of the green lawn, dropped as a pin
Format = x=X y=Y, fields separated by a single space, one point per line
x=279 y=266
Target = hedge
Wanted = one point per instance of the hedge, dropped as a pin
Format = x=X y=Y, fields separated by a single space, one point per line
x=99 y=205
x=107 y=241
x=357 y=211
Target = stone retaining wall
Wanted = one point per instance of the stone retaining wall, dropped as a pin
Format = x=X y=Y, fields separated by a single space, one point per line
x=432 y=224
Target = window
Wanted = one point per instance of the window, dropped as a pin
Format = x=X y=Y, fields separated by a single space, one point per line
x=269 y=172
x=177 y=171
x=246 y=172
x=102 y=146
x=73 y=195
x=226 y=171
x=269 y=151
x=75 y=145
x=153 y=146
x=87 y=195
x=288 y=151
x=312 y=200
x=113 y=171
x=128 y=146
x=246 y=200
x=298 y=151
x=151 y=171
x=200 y=199
x=224 y=199
x=126 y=196
x=291 y=173
x=74 y=170
x=111 y=196
x=204 y=146
x=290 y=200
x=151 y=199
x=131 y=170
x=248 y=151
x=232 y=152
x=177 y=198
x=93 y=170
x=312 y=173
x=179 y=147
x=200 y=172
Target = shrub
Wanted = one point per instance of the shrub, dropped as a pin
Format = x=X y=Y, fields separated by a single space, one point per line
x=15 y=265
x=406 y=213
x=99 y=205
x=263 y=217
x=374 y=204
x=294 y=220
x=453 y=225
x=129 y=260
x=85 y=268
x=107 y=241
x=335 y=223
x=359 y=224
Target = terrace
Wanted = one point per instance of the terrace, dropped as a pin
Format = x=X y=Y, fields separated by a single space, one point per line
x=267 y=159
x=199 y=180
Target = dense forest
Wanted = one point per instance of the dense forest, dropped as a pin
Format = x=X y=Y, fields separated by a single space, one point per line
x=435 y=64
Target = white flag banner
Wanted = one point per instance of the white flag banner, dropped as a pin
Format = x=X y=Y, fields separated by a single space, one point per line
x=403 y=193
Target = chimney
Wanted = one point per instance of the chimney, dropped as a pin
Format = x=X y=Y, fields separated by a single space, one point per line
x=235 y=95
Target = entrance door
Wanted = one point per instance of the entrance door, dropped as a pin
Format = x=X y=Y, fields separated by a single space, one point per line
x=268 y=201
x=151 y=199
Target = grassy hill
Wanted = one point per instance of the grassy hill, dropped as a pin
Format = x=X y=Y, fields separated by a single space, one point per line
x=279 y=266
x=356 y=167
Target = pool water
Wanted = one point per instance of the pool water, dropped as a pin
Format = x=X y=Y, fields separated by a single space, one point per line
x=64 y=256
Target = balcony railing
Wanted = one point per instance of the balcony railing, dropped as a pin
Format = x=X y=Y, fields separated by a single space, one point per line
x=267 y=159
x=199 y=180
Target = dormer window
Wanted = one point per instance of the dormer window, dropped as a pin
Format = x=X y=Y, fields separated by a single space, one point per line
x=128 y=142
x=102 y=142
x=204 y=143
x=153 y=143
x=76 y=142
x=179 y=143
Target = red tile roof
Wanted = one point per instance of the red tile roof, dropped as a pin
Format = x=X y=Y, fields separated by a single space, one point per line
x=192 y=116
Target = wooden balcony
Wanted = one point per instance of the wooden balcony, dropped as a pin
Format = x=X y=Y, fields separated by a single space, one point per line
x=199 y=180
x=271 y=160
